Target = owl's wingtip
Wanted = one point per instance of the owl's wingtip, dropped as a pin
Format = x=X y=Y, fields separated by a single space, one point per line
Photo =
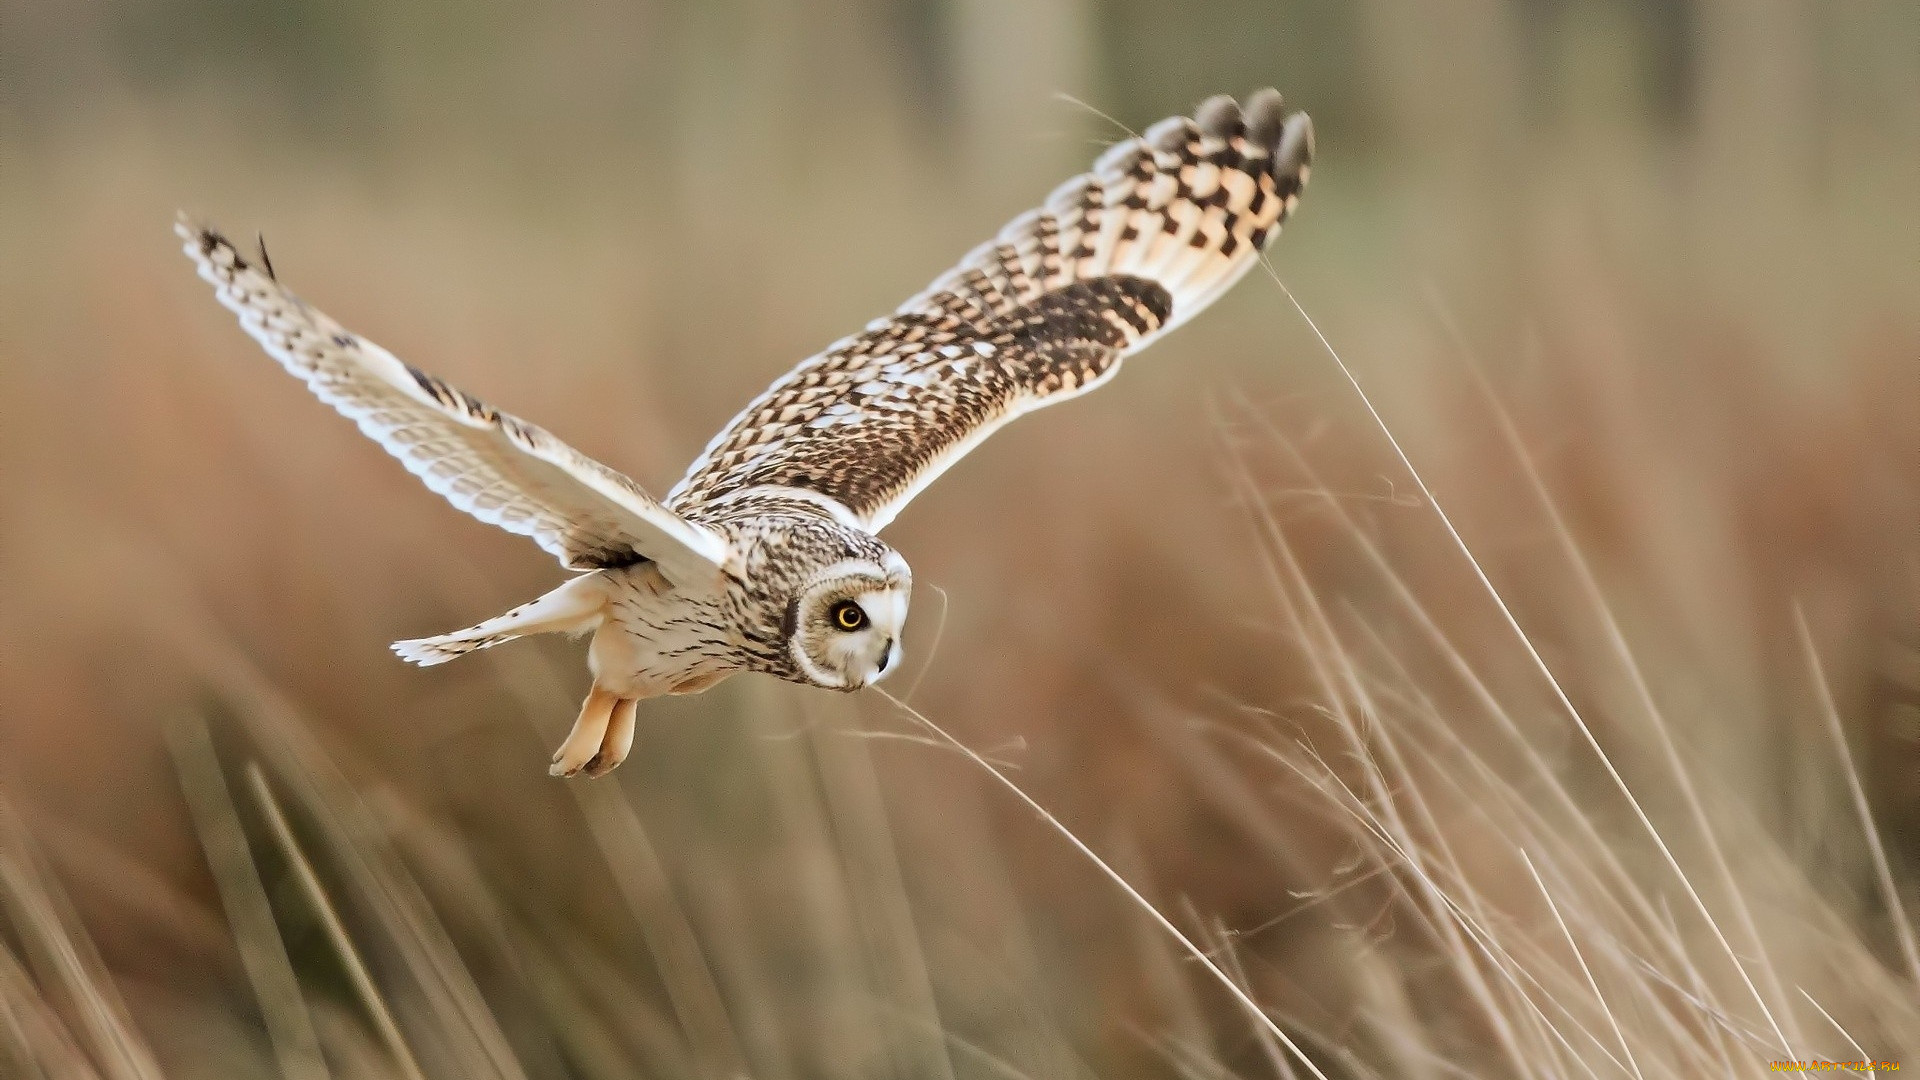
x=426 y=652
x=1265 y=111
x=193 y=230
x=1294 y=153
x=1266 y=123
x=1220 y=117
x=203 y=240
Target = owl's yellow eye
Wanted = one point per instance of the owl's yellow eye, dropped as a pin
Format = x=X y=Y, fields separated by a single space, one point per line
x=848 y=615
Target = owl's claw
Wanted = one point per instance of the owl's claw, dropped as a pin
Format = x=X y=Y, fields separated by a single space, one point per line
x=618 y=741
x=589 y=732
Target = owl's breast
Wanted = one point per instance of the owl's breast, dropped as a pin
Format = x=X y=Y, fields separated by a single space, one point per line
x=655 y=638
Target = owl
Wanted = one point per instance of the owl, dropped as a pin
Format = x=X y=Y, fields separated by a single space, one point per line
x=767 y=556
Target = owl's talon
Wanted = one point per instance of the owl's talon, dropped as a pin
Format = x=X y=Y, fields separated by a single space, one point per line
x=617 y=742
x=589 y=732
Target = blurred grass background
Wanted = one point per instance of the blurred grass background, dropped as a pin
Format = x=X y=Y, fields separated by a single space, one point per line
x=1678 y=239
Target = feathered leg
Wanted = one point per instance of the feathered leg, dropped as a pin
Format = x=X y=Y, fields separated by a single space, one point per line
x=574 y=606
x=618 y=742
x=592 y=731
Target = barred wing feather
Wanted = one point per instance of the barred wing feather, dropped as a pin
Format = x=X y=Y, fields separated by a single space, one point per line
x=1161 y=226
x=498 y=468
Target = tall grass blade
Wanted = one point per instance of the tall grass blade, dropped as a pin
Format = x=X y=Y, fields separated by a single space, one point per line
x=358 y=976
x=1254 y=1012
x=263 y=952
x=1540 y=664
x=65 y=965
x=1882 y=871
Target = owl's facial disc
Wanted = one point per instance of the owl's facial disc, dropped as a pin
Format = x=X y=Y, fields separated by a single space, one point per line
x=846 y=625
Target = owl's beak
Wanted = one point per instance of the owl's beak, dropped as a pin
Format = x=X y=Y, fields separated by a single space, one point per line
x=887 y=660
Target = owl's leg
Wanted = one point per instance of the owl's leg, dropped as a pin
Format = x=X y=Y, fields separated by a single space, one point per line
x=618 y=741
x=589 y=732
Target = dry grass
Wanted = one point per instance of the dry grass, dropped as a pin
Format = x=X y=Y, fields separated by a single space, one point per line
x=1544 y=701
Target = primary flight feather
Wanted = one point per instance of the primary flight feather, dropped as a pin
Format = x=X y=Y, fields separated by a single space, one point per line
x=764 y=557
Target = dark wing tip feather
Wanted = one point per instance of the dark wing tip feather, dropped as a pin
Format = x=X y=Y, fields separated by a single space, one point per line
x=266 y=261
x=1294 y=154
x=1169 y=136
x=1219 y=117
x=1265 y=113
x=203 y=241
x=1287 y=138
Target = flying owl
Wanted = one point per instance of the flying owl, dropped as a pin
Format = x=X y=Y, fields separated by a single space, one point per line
x=766 y=557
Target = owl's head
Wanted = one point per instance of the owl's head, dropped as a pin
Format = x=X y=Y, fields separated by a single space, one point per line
x=843 y=629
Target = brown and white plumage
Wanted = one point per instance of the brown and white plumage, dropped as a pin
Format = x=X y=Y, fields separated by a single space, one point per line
x=497 y=467
x=764 y=557
x=1044 y=312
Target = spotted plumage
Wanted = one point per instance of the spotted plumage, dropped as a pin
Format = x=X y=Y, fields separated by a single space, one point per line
x=765 y=556
x=1044 y=311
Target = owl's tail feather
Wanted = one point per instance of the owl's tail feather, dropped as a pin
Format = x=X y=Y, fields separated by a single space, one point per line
x=574 y=607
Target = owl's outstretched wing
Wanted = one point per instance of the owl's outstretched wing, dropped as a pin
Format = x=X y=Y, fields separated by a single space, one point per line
x=1046 y=311
x=500 y=469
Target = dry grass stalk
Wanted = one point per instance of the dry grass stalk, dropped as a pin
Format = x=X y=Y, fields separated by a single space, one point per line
x=249 y=913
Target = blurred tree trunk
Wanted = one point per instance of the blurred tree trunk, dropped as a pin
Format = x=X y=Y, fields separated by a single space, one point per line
x=1012 y=59
x=1760 y=148
x=1431 y=65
